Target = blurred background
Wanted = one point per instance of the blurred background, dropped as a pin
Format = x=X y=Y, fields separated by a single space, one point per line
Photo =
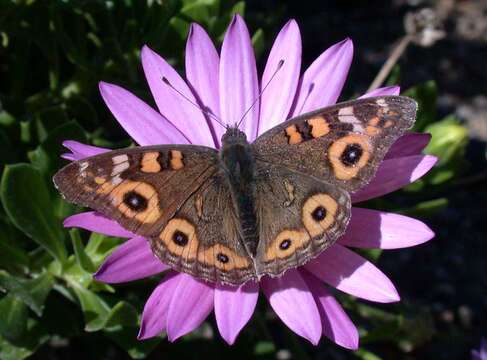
x=52 y=55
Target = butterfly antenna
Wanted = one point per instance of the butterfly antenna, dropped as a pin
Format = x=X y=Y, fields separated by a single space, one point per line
x=166 y=81
x=279 y=66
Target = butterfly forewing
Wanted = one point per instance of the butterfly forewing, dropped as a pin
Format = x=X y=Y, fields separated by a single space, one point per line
x=141 y=188
x=342 y=144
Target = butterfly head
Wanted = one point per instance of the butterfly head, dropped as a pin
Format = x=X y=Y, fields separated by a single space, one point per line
x=234 y=136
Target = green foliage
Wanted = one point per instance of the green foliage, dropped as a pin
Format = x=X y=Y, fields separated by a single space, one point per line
x=55 y=54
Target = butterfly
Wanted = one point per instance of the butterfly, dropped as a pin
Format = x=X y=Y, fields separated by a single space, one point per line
x=248 y=209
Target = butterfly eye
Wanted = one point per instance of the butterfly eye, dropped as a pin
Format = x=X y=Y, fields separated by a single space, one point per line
x=318 y=213
x=286 y=243
x=135 y=201
x=222 y=258
x=180 y=238
x=348 y=155
x=179 y=235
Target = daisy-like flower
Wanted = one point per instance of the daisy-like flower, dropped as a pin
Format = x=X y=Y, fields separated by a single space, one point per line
x=227 y=84
x=480 y=354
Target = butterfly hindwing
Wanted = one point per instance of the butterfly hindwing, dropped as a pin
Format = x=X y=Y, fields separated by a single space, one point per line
x=203 y=237
x=298 y=217
x=342 y=144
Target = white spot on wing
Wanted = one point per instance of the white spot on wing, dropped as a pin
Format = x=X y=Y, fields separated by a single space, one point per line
x=82 y=168
x=116 y=179
x=120 y=159
x=346 y=115
x=381 y=102
x=119 y=168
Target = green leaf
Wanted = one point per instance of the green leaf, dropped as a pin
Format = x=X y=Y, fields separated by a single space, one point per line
x=95 y=309
x=122 y=314
x=14 y=317
x=448 y=140
x=264 y=348
x=6 y=119
x=47 y=155
x=238 y=8
x=49 y=119
x=23 y=348
x=258 y=42
x=26 y=200
x=11 y=251
x=82 y=257
x=32 y=292
x=427 y=208
x=366 y=355
x=126 y=338
x=197 y=11
x=9 y=351
x=426 y=95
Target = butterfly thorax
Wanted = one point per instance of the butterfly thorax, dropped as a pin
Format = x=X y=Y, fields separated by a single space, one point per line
x=238 y=164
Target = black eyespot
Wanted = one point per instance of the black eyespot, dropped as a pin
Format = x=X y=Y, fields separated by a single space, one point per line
x=285 y=244
x=319 y=213
x=222 y=258
x=352 y=154
x=135 y=201
x=180 y=238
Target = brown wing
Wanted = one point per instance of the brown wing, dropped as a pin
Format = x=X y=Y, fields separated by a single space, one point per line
x=174 y=196
x=342 y=144
x=141 y=188
x=298 y=217
x=203 y=238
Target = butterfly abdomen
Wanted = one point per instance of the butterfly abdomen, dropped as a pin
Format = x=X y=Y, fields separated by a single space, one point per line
x=238 y=164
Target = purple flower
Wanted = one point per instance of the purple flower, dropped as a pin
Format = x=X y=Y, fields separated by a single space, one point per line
x=227 y=84
x=480 y=354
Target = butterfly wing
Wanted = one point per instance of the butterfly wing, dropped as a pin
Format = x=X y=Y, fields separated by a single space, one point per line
x=141 y=188
x=172 y=194
x=298 y=217
x=203 y=238
x=342 y=144
x=306 y=169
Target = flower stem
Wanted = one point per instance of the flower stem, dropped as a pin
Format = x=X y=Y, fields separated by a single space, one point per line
x=391 y=61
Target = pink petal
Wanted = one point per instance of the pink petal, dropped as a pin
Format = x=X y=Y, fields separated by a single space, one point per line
x=132 y=260
x=293 y=302
x=80 y=151
x=352 y=274
x=154 y=316
x=384 y=230
x=191 y=303
x=323 y=81
x=393 y=174
x=233 y=308
x=407 y=145
x=174 y=107
x=239 y=86
x=336 y=324
x=140 y=121
x=98 y=223
x=383 y=91
x=278 y=98
x=202 y=66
